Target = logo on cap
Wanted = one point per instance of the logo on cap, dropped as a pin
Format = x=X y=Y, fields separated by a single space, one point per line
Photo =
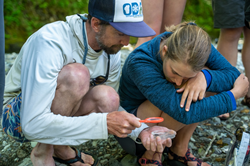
x=132 y=10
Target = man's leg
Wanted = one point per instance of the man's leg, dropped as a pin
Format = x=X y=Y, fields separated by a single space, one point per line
x=228 y=47
x=246 y=54
x=172 y=13
x=74 y=97
x=228 y=43
x=152 y=13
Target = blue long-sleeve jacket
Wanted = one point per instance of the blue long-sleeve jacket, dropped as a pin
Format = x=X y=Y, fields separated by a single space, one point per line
x=143 y=79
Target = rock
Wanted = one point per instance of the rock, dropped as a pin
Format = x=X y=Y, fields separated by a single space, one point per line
x=192 y=146
x=220 y=142
x=246 y=111
x=129 y=160
x=94 y=143
x=104 y=162
x=227 y=141
x=113 y=162
x=21 y=153
x=26 y=162
x=217 y=150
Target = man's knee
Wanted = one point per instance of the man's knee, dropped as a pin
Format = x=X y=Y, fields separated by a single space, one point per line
x=75 y=77
x=108 y=98
x=232 y=34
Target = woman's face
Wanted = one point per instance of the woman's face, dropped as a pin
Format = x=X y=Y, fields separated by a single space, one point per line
x=175 y=71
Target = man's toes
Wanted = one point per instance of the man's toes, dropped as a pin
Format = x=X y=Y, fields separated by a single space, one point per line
x=87 y=158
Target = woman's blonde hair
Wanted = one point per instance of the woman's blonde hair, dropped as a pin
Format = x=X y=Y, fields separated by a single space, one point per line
x=188 y=43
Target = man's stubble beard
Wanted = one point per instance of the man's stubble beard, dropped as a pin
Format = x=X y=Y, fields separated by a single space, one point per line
x=109 y=50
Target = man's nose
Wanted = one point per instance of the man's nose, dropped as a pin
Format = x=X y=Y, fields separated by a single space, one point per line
x=125 y=40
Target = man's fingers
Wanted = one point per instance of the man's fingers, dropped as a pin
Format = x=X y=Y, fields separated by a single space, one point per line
x=134 y=121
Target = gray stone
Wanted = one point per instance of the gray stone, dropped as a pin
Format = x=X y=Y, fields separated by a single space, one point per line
x=227 y=141
x=205 y=139
x=192 y=146
x=94 y=143
x=225 y=149
x=217 y=150
x=113 y=162
x=21 y=153
x=26 y=162
x=129 y=160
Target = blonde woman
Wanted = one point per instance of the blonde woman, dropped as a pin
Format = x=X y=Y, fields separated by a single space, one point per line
x=166 y=77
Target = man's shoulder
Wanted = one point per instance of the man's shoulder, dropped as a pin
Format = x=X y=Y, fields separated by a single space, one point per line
x=53 y=28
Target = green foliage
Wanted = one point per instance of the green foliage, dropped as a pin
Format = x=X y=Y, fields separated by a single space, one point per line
x=24 y=17
x=201 y=12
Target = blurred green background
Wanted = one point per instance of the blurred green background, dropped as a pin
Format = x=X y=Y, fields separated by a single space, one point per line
x=24 y=17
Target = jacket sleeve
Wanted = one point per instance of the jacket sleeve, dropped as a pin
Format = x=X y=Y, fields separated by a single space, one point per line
x=43 y=59
x=149 y=78
x=222 y=72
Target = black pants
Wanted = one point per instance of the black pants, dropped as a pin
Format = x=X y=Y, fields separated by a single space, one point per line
x=131 y=147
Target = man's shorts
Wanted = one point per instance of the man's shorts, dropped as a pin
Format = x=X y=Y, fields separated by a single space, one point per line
x=228 y=13
x=11 y=119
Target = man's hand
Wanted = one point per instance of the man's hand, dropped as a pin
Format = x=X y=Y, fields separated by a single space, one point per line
x=241 y=86
x=194 y=89
x=121 y=123
x=152 y=144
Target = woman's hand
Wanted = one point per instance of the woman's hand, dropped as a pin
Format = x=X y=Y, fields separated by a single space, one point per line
x=241 y=86
x=155 y=144
x=194 y=89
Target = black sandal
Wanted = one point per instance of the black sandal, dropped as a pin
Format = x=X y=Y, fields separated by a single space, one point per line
x=181 y=161
x=246 y=101
x=76 y=159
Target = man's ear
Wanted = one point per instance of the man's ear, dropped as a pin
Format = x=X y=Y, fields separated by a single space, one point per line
x=95 y=24
x=164 y=50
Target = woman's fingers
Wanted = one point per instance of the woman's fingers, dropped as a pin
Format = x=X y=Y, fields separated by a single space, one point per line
x=183 y=98
x=159 y=146
x=153 y=144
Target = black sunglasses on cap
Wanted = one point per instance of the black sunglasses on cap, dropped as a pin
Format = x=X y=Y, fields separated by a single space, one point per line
x=100 y=79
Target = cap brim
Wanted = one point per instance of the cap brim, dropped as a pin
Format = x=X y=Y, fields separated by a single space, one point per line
x=136 y=29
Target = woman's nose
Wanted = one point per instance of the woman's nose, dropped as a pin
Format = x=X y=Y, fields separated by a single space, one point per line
x=178 y=81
